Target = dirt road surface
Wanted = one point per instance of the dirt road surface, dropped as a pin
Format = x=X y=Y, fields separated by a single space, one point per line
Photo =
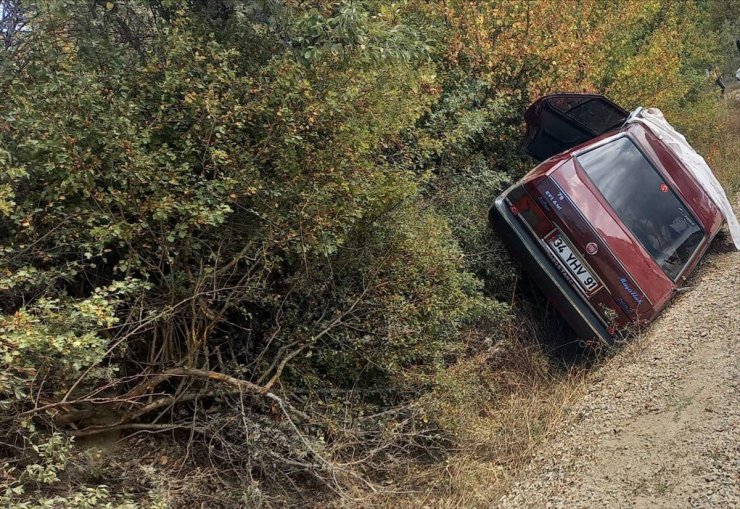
x=660 y=425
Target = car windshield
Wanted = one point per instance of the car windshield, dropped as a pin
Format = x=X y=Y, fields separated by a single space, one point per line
x=644 y=202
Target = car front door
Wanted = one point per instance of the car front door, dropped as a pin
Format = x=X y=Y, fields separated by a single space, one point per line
x=558 y=122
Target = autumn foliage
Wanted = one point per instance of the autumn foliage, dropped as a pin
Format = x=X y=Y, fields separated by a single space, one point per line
x=260 y=226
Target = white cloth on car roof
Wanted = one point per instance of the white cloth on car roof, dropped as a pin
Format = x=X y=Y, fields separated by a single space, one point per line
x=653 y=119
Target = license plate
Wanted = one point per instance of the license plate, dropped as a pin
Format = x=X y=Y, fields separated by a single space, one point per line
x=572 y=263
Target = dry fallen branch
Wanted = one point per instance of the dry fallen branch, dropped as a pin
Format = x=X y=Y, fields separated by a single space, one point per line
x=143 y=427
x=236 y=384
x=244 y=385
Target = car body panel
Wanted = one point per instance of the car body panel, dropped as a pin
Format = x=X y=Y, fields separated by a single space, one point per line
x=586 y=220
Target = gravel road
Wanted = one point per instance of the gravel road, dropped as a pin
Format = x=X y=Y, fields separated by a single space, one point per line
x=660 y=425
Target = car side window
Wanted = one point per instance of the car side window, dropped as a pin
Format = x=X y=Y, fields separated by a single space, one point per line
x=600 y=116
x=565 y=103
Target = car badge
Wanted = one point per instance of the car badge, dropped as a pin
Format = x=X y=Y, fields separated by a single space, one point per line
x=592 y=248
x=664 y=187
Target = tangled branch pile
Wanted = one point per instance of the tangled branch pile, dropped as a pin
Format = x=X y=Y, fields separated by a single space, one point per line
x=260 y=225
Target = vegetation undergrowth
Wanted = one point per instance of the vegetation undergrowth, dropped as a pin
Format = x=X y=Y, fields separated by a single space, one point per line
x=725 y=153
x=245 y=242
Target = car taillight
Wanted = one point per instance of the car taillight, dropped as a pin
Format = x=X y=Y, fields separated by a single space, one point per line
x=523 y=206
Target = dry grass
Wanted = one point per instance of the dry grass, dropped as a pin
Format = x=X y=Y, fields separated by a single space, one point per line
x=499 y=405
x=501 y=439
x=724 y=156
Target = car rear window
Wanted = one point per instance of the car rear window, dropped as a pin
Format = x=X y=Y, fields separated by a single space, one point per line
x=644 y=202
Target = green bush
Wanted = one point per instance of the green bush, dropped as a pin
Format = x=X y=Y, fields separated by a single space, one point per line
x=177 y=198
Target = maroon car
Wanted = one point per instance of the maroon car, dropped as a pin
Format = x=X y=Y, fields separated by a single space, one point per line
x=611 y=223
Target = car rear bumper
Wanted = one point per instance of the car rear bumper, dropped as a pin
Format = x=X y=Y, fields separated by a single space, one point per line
x=528 y=252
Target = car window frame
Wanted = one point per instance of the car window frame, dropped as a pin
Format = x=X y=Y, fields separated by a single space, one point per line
x=547 y=105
